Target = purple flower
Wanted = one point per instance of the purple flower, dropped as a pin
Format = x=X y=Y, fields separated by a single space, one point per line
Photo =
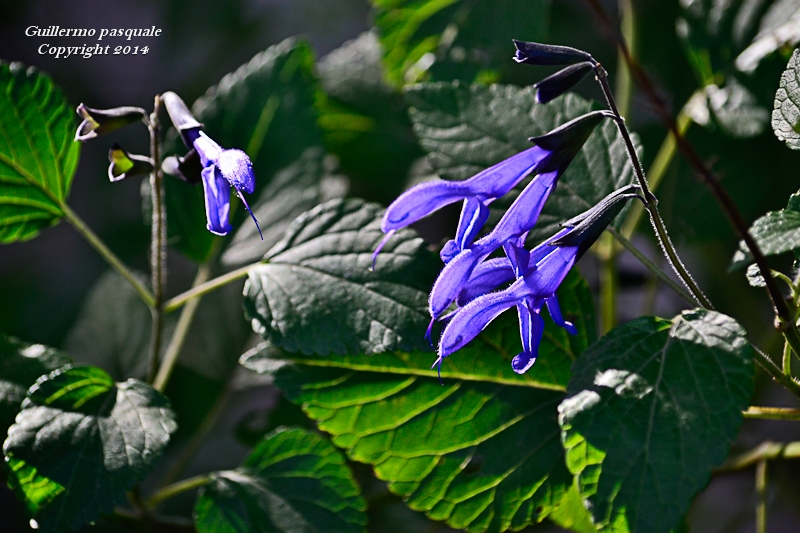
x=552 y=153
x=547 y=266
x=221 y=168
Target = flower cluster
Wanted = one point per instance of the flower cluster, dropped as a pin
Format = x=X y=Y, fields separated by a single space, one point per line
x=469 y=282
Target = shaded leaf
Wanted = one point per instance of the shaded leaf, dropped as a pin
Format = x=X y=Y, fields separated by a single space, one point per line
x=479 y=450
x=467 y=128
x=779 y=28
x=315 y=292
x=572 y=514
x=775 y=233
x=81 y=441
x=652 y=409
x=786 y=112
x=293 y=481
x=38 y=156
x=266 y=108
x=457 y=39
x=297 y=188
x=736 y=110
x=21 y=364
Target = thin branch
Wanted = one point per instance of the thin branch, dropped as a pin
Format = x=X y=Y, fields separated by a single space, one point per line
x=158 y=251
x=81 y=227
x=204 y=288
x=767 y=450
x=173 y=490
x=772 y=413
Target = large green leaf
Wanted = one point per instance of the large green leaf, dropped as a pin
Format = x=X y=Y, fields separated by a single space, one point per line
x=315 y=291
x=114 y=326
x=266 y=108
x=81 y=441
x=459 y=38
x=37 y=153
x=480 y=449
x=786 y=112
x=293 y=481
x=652 y=409
x=302 y=185
x=21 y=364
x=775 y=233
x=467 y=128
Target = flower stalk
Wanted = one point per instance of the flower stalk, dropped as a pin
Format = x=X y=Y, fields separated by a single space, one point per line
x=158 y=250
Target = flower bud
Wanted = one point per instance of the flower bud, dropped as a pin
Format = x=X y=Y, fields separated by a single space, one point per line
x=99 y=121
x=124 y=164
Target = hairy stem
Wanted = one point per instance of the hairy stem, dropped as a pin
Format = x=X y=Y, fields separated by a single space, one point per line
x=81 y=227
x=624 y=86
x=772 y=413
x=170 y=491
x=204 y=288
x=761 y=492
x=158 y=250
x=179 y=335
x=650 y=200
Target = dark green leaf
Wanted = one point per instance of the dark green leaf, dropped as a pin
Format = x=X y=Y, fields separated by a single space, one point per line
x=293 y=481
x=20 y=366
x=113 y=331
x=481 y=449
x=266 y=108
x=467 y=128
x=652 y=409
x=786 y=112
x=776 y=232
x=778 y=29
x=364 y=120
x=81 y=441
x=37 y=153
x=315 y=292
x=297 y=188
x=459 y=38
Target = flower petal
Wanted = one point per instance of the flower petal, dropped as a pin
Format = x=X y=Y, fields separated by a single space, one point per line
x=473 y=216
x=236 y=167
x=208 y=150
x=531 y=328
x=217 y=192
x=555 y=313
x=485 y=278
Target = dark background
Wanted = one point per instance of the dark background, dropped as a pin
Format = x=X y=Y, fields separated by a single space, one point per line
x=43 y=281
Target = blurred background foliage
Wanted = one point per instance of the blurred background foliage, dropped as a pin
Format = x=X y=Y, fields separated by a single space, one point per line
x=44 y=282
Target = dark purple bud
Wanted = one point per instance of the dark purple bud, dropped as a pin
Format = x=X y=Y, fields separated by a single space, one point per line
x=557 y=84
x=188 y=168
x=181 y=117
x=124 y=165
x=587 y=227
x=566 y=141
x=549 y=54
x=99 y=121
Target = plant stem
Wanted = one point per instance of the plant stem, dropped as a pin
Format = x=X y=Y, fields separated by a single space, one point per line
x=81 y=227
x=180 y=333
x=785 y=316
x=772 y=413
x=787 y=359
x=204 y=288
x=650 y=199
x=624 y=85
x=652 y=267
x=774 y=371
x=761 y=491
x=659 y=167
x=158 y=250
x=608 y=283
x=767 y=450
x=173 y=490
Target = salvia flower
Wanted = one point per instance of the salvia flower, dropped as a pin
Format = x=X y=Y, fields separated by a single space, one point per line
x=548 y=265
x=552 y=153
x=124 y=165
x=221 y=168
x=99 y=121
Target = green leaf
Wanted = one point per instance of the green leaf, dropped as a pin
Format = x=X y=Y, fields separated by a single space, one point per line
x=480 y=449
x=786 y=112
x=37 y=153
x=266 y=108
x=652 y=409
x=114 y=326
x=571 y=513
x=293 y=481
x=467 y=128
x=778 y=29
x=736 y=110
x=458 y=37
x=302 y=185
x=81 y=441
x=21 y=364
x=315 y=292
x=775 y=233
